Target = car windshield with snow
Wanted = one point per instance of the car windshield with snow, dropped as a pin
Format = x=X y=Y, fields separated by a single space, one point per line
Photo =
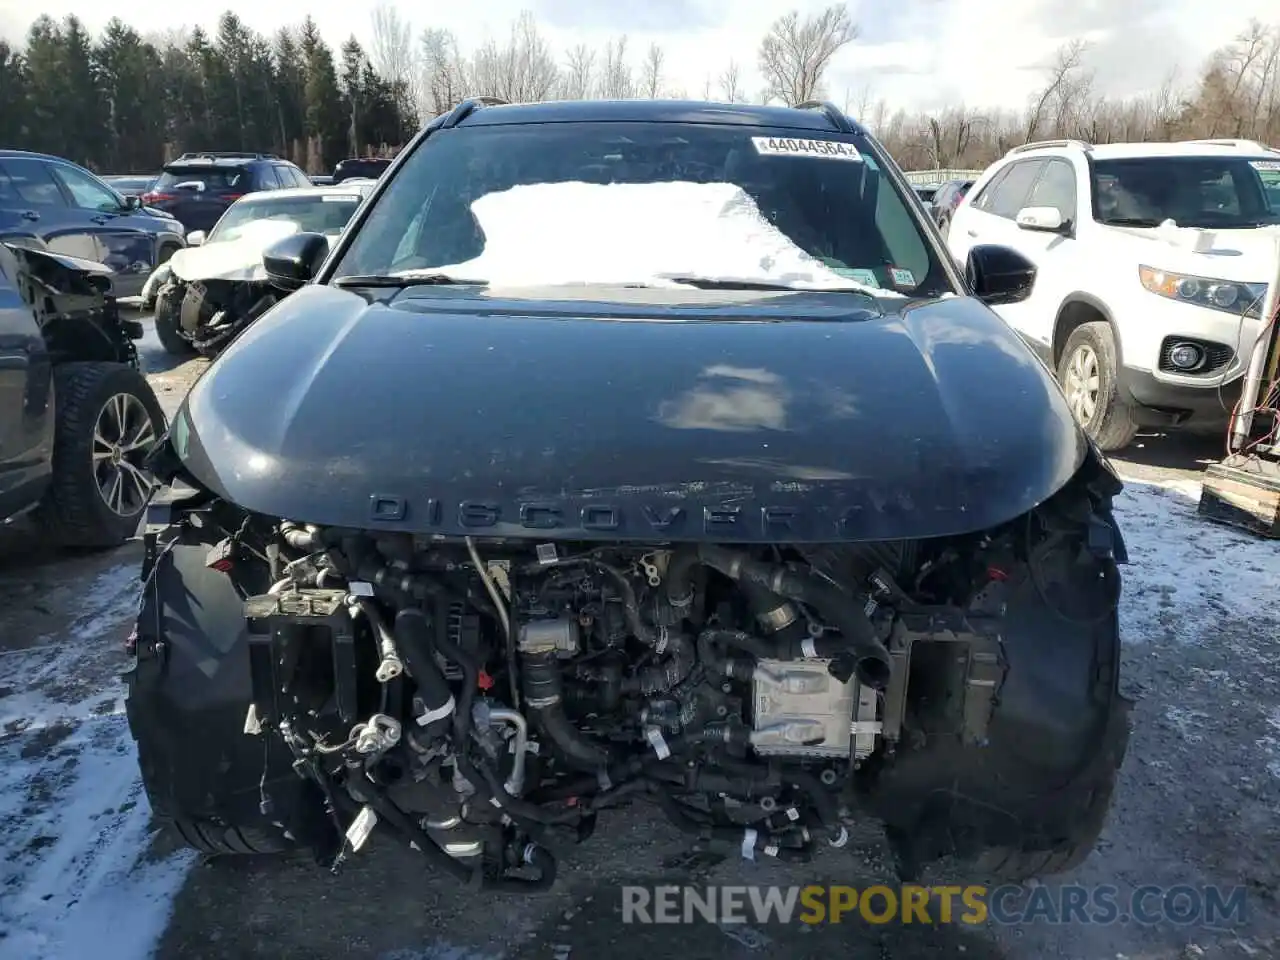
x=650 y=204
x=633 y=450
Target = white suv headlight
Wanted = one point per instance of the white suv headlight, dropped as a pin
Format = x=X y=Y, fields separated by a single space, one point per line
x=1229 y=296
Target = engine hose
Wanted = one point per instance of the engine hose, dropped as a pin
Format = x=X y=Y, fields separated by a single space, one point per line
x=518 y=808
x=679 y=582
x=413 y=636
x=540 y=859
x=874 y=665
x=390 y=665
x=428 y=847
x=671 y=672
x=748 y=841
x=823 y=805
x=735 y=668
x=544 y=697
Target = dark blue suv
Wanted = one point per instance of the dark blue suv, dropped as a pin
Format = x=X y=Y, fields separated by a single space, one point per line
x=52 y=204
x=197 y=188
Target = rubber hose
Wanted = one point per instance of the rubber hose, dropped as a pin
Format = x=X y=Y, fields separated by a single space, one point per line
x=874 y=665
x=413 y=637
x=544 y=697
x=540 y=859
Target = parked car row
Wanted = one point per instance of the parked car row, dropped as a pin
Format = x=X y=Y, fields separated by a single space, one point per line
x=1152 y=261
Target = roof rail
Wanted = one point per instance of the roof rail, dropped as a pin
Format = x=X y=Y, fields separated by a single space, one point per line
x=227 y=155
x=839 y=119
x=1041 y=144
x=467 y=107
x=1234 y=142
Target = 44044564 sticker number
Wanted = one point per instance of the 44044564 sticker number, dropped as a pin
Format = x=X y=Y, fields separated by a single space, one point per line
x=823 y=149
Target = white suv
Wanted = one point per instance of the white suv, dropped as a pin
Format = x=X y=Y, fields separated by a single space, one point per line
x=1147 y=322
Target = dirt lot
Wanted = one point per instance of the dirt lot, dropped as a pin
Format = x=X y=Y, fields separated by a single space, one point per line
x=81 y=874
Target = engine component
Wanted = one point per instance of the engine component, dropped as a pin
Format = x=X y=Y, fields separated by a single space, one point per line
x=801 y=710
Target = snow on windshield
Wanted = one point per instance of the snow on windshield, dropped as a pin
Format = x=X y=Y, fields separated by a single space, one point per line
x=636 y=233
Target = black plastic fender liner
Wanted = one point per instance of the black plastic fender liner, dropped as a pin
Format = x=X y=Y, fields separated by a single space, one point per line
x=189 y=697
x=1057 y=734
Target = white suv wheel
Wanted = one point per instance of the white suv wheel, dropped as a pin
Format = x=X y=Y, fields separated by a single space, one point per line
x=1082 y=383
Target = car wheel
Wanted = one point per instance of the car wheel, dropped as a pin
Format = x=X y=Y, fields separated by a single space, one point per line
x=1088 y=374
x=107 y=421
x=168 y=304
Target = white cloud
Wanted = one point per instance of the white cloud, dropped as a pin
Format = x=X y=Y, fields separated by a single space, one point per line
x=913 y=53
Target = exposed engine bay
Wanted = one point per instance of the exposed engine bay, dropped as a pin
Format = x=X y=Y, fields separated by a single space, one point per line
x=211 y=312
x=487 y=698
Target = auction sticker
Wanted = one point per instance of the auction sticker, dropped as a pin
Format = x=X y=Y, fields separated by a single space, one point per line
x=1265 y=164
x=902 y=278
x=824 y=149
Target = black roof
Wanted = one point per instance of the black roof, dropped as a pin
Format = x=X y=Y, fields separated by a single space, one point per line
x=818 y=117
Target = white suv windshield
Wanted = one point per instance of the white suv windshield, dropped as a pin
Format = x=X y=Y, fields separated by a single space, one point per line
x=621 y=202
x=1210 y=192
x=315 y=214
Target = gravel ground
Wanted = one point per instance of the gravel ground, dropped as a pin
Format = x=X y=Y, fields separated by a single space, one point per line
x=1197 y=801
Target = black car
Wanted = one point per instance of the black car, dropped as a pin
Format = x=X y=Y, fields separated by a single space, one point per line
x=78 y=417
x=365 y=167
x=129 y=184
x=633 y=450
x=197 y=188
x=53 y=204
x=946 y=200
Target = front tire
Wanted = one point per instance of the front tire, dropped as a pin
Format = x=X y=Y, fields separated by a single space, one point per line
x=168 y=305
x=1088 y=373
x=107 y=421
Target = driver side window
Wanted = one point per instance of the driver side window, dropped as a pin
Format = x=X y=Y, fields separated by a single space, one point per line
x=86 y=193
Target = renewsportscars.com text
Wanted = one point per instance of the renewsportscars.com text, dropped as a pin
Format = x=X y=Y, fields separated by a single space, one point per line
x=971 y=905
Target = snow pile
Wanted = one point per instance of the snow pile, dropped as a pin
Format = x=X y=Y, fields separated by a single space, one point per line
x=237 y=258
x=635 y=233
x=74 y=818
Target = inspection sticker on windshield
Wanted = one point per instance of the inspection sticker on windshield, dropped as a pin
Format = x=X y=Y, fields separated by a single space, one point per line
x=863 y=276
x=902 y=278
x=1265 y=164
x=787 y=147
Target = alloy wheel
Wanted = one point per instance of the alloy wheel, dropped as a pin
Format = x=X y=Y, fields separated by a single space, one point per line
x=1083 y=382
x=122 y=436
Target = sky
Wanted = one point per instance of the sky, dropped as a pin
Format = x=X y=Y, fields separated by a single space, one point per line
x=913 y=54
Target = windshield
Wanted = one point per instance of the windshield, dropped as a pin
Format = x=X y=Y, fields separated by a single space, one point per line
x=650 y=204
x=315 y=214
x=1209 y=192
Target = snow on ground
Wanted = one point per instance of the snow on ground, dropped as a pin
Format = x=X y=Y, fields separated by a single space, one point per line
x=75 y=876
x=74 y=822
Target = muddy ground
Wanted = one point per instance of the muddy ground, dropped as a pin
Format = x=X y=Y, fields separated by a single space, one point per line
x=1197 y=802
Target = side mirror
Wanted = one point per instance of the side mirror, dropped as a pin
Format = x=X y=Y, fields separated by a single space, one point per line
x=133 y=202
x=292 y=262
x=999 y=275
x=1041 y=219
x=195 y=238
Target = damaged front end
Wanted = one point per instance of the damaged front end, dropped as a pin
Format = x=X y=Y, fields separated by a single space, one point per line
x=73 y=305
x=486 y=698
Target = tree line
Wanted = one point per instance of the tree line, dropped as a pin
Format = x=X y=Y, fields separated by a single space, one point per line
x=125 y=102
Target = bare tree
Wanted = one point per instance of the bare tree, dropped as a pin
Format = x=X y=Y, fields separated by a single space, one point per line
x=392 y=53
x=706 y=88
x=1063 y=75
x=577 y=81
x=523 y=71
x=444 y=73
x=651 y=72
x=731 y=85
x=795 y=53
x=616 y=79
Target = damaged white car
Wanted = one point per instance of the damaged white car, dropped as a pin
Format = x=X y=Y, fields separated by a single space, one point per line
x=206 y=294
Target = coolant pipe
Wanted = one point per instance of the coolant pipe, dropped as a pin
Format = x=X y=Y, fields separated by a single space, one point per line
x=543 y=695
x=873 y=667
x=515 y=780
x=300 y=537
x=413 y=636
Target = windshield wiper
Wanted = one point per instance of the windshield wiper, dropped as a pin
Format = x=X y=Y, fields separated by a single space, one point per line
x=1132 y=222
x=391 y=280
x=706 y=284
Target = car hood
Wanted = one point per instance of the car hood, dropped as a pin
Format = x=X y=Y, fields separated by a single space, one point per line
x=630 y=413
x=1241 y=255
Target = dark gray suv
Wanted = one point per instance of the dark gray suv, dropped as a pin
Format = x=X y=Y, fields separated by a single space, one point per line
x=197 y=188
x=53 y=204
